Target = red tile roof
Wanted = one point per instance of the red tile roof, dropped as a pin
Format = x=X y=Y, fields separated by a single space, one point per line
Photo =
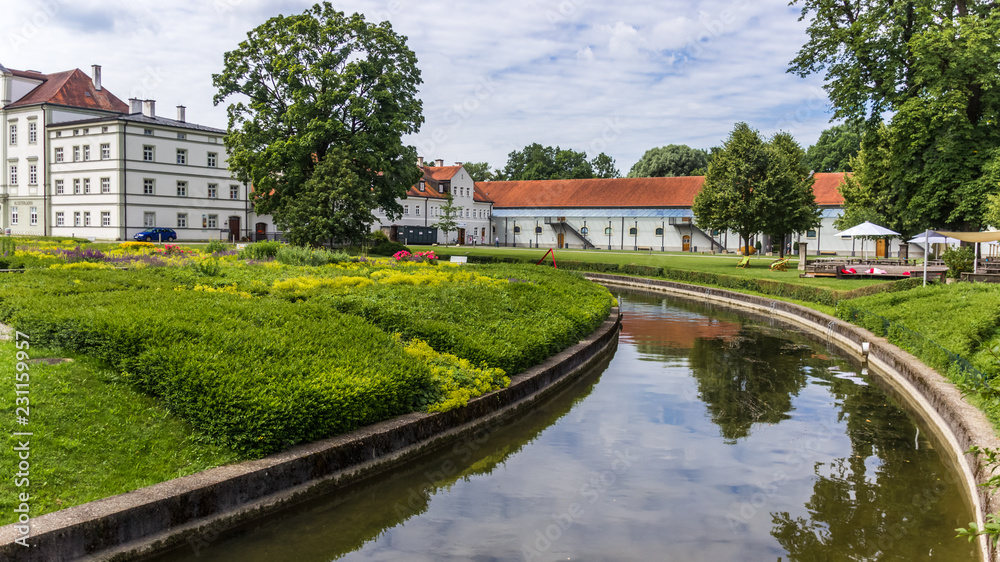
x=618 y=192
x=826 y=191
x=622 y=192
x=433 y=176
x=71 y=88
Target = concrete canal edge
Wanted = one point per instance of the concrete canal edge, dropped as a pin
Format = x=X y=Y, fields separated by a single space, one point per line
x=957 y=423
x=195 y=509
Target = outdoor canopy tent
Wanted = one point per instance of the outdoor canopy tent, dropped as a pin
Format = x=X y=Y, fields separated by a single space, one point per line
x=976 y=238
x=867 y=229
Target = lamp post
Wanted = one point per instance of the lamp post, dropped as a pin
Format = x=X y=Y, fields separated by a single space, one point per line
x=635 y=237
x=514 y=244
x=536 y=233
x=609 y=233
x=663 y=233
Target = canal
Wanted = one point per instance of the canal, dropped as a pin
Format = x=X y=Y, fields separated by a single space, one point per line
x=707 y=436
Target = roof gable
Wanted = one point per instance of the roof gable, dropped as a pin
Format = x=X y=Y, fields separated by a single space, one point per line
x=72 y=88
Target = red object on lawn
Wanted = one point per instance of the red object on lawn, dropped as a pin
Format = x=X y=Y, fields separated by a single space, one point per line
x=551 y=251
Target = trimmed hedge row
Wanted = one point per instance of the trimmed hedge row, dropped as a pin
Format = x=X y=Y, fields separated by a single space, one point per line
x=261 y=373
x=769 y=287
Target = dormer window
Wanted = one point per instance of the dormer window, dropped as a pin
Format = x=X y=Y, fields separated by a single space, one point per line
x=421 y=185
x=444 y=187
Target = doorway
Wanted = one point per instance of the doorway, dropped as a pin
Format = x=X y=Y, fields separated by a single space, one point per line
x=562 y=240
x=687 y=243
x=234 y=229
x=880 y=248
x=260 y=232
x=461 y=236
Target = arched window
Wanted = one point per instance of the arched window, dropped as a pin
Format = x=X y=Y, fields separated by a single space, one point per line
x=659 y=232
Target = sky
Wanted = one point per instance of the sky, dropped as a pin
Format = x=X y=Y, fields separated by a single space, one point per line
x=587 y=75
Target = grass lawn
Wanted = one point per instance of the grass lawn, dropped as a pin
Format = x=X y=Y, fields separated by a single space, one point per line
x=723 y=264
x=93 y=436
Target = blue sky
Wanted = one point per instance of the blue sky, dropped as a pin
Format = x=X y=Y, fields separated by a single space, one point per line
x=583 y=74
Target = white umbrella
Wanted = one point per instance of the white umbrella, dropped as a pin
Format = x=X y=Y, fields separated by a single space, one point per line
x=867 y=229
x=931 y=237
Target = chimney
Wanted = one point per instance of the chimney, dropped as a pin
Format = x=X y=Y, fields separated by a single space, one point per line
x=420 y=161
x=97 y=76
x=181 y=113
x=149 y=108
x=438 y=163
x=135 y=105
x=458 y=163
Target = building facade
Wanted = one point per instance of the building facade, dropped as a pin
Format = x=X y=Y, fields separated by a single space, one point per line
x=80 y=162
x=633 y=213
x=422 y=209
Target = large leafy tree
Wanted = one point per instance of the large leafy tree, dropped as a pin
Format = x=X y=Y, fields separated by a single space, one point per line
x=479 y=171
x=863 y=199
x=753 y=185
x=835 y=148
x=793 y=189
x=537 y=162
x=670 y=161
x=322 y=102
x=933 y=66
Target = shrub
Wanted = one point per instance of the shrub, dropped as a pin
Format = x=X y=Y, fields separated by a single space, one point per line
x=261 y=251
x=387 y=248
x=958 y=260
x=297 y=255
x=7 y=246
x=215 y=246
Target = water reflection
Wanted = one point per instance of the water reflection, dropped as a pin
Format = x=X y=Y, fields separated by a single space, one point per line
x=707 y=437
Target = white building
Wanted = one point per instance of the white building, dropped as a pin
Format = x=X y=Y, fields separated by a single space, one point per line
x=80 y=162
x=422 y=209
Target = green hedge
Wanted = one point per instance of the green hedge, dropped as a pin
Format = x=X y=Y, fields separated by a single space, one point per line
x=261 y=373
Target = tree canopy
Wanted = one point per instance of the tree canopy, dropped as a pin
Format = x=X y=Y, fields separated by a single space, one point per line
x=670 y=161
x=835 y=148
x=931 y=64
x=753 y=186
x=479 y=171
x=322 y=103
x=537 y=162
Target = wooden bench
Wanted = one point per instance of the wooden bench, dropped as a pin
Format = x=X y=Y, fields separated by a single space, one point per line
x=645 y=249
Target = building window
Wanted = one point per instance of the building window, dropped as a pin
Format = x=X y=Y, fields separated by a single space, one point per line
x=86 y=153
x=86 y=185
x=76 y=153
x=147 y=153
x=810 y=234
x=58 y=134
x=86 y=131
x=33 y=132
x=76 y=218
x=584 y=230
x=13 y=134
x=234 y=192
x=13 y=215
x=607 y=231
x=517 y=230
x=13 y=174
x=33 y=216
x=148 y=187
x=213 y=221
x=182 y=220
x=213 y=190
x=60 y=188
x=104 y=129
x=421 y=185
x=633 y=231
x=149 y=220
x=147 y=132
x=416 y=210
x=182 y=189
x=659 y=231
x=76 y=186
x=76 y=132
x=105 y=218
x=213 y=159
x=182 y=156
x=32 y=174
x=106 y=151
x=86 y=218
x=59 y=154
x=181 y=136
x=105 y=185
x=60 y=219
x=406 y=209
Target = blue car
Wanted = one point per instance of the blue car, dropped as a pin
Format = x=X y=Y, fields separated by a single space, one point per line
x=156 y=235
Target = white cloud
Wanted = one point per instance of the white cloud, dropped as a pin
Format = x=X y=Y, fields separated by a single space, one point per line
x=496 y=76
